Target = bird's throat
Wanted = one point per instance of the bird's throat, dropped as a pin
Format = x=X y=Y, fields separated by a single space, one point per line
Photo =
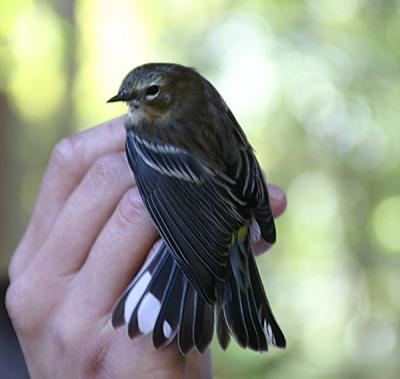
x=143 y=115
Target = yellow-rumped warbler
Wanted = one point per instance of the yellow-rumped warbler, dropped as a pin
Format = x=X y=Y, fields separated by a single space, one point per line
x=201 y=182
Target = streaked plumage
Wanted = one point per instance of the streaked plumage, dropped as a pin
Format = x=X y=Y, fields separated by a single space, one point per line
x=201 y=182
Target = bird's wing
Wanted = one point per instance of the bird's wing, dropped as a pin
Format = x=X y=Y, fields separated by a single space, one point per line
x=253 y=189
x=194 y=207
x=250 y=178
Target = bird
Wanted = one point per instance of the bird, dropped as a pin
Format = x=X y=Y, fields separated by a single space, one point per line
x=204 y=189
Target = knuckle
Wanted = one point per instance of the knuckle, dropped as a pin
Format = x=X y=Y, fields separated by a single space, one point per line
x=106 y=170
x=17 y=303
x=12 y=300
x=131 y=208
x=64 y=153
x=66 y=332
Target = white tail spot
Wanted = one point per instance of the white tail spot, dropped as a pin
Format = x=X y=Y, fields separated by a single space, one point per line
x=148 y=312
x=167 y=330
x=135 y=294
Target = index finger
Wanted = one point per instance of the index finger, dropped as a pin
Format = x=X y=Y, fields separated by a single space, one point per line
x=278 y=202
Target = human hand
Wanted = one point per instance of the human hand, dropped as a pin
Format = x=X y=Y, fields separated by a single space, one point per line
x=88 y=236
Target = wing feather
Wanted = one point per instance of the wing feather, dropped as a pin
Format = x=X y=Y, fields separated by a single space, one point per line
x=196 y=207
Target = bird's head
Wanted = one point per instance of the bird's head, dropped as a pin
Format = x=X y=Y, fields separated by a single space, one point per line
x=153 y=89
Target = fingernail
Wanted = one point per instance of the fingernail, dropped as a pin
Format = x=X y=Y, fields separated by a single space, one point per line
x=276 y=192
x=277 y=199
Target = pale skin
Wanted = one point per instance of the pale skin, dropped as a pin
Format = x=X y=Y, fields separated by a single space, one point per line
x=88 y=236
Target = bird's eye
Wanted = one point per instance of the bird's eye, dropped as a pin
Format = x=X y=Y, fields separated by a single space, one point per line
x=152 y=90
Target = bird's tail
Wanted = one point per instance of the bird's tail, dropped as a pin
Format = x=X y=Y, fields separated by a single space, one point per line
x=247 y=312
x=161 y=300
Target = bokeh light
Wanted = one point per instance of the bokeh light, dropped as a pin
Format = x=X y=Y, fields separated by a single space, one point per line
x=38 y=57
x=386 y=224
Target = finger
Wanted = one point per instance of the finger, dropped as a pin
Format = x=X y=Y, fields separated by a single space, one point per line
x=199 y=366
x=277 y=200
x=116 y=257
x=278 y=204
x=69 y=161
x=83 y=216
x=127 y=358
x=261 y=247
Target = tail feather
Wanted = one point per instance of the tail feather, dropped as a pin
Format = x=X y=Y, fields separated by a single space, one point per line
x=262 y=339
x=203 y=324
x=223 y=333
x=167 y=323
x=185 y=336
x=131 y=297
x=233 y=312
x=245 y=284
x=144 y=316
x=271 y=328
x=247 y=311
x=240 y=310
x=161 y=300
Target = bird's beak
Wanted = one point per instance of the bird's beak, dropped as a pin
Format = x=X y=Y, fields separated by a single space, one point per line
x=121 y=96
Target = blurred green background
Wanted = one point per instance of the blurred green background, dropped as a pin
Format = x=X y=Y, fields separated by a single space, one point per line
x=316 y=86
